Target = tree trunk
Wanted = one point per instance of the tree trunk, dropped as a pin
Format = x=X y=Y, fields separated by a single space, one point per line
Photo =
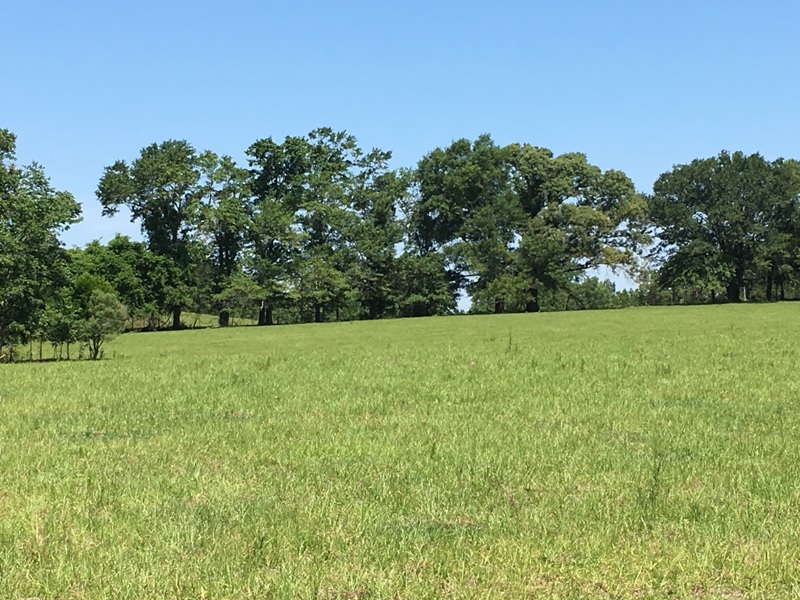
x=578 y=303
x=713 y=296
x=783 y=288
x=381 y=308
x=533 y=303
x=735 y=286
x=176 y=318
x=224 y=318
x=262 y=313
x=317 y=313
x=499 y=306
x=769 y=284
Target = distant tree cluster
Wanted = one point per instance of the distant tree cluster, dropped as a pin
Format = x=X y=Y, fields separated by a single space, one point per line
x=41 y=298
x=316 y=229
x=729 y=225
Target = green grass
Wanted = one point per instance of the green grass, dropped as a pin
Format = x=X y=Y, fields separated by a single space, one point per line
x=642 y=453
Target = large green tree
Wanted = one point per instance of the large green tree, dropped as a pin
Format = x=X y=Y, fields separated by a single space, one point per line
x=514 y=218
x=323 y=223
x=778 y=256
x=279 y=172
x=32 y=260
x=377 y=233
x=577 y=217
x=467 y=210
x=163 y=189
x=225 y=224
x=726 y=222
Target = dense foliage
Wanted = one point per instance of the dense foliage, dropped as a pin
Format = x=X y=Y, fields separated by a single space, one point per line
x=315 y=228
x=40 y=298
x=729 y=223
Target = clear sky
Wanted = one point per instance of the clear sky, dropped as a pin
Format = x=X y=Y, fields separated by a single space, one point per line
x=636 y=85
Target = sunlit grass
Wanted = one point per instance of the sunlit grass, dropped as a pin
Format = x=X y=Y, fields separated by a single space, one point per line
x=643 y=453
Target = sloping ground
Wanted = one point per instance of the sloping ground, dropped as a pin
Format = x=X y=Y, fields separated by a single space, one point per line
x=642 y=453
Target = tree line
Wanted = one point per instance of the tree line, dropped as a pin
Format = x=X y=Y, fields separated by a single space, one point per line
x=315 y=228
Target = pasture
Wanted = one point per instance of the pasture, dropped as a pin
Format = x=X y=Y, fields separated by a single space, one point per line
x=639 y=453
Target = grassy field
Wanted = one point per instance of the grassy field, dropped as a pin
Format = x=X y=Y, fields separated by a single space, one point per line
x=641 y=453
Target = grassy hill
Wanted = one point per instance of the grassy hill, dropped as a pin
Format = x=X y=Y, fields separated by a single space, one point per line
x=640 y=453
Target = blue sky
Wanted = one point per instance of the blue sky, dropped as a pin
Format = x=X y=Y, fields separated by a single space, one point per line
x=637 y=86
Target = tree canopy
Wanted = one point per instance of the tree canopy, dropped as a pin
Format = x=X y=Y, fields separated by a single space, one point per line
x=728 y=222
x=516 y=219
x=32 y=260
x=316 y=228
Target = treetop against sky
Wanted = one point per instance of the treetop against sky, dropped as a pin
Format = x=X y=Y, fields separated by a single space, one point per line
x=637 y=87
